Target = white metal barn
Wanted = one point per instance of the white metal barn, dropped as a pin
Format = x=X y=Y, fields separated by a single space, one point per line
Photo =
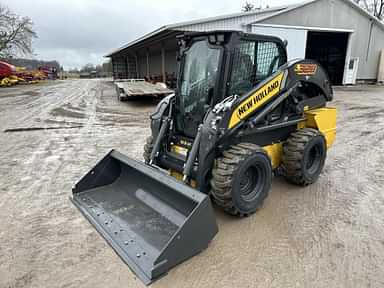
x=344 y=38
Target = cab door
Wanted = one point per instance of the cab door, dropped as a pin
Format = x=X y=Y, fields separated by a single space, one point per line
x=253 y=61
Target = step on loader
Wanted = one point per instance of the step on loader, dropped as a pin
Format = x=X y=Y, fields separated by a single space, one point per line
x=241 y=112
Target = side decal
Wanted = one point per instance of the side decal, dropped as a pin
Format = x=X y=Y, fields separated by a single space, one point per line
x=254 y=101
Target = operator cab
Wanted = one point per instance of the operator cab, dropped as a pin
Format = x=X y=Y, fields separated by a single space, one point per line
x=204 y=64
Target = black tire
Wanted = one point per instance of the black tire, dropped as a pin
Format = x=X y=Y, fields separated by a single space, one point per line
x=304 y=156
x=148 y=147
x=241 y=179
x=118 y=94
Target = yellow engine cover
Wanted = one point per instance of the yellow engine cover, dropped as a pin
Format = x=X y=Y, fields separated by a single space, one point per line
x=274 y=152
x=324 y=120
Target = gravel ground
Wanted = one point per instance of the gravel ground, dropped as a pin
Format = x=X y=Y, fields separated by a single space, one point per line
x=329 y=234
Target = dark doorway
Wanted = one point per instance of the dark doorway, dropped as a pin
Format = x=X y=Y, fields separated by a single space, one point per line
x=330 y=49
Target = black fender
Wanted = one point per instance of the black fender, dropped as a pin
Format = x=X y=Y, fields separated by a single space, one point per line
x=309 y=71
x=161 y=110
x=207 y=150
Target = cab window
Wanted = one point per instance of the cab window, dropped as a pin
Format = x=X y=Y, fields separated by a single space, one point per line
x=253 y=61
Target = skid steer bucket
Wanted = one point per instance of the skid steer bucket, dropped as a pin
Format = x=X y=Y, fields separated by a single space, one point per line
x=151 y=220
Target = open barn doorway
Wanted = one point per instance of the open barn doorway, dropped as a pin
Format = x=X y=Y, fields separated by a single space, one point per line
x=330 y=50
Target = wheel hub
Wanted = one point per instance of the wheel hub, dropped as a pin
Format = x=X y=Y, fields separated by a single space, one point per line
x=250 y=184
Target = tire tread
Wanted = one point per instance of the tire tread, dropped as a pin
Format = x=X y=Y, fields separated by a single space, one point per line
x=293 y=152
x=223 y=175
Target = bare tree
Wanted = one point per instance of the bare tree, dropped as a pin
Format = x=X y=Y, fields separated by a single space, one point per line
x=375 y=7
x=252 y=7
x=107 y=66
x=248 y=7
x=33 y=64
x=89 y=67
x=16 y=34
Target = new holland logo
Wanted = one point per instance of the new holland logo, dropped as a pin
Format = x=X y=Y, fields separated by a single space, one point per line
x=254 y=101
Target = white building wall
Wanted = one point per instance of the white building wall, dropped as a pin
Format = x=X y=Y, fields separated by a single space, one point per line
x=297 y=39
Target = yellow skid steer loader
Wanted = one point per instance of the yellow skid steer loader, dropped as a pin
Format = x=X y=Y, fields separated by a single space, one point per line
x=240 y=113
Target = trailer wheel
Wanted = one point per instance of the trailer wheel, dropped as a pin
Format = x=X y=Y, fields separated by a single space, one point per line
x=304 y=156
x=148 y=147
x=241 y=179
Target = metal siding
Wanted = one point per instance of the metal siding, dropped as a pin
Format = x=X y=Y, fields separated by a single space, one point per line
x=155 y=63
x=235 y=23
x=131 y=67
x=119 y=67
x=170 y=62
x=142 y=61
x=337 y=14
x=377 y=44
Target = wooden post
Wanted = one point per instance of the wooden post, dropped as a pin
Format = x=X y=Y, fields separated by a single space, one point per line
x=163 y=62
x=128 y=68
x=148 y=63
x=113 y=69
x=380 y=74
x=137 y=66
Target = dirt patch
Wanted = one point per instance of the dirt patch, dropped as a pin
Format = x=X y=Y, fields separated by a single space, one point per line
x=365 y=133
x=25 y=94
x=361 y=108
x=26 y=129
x=61 y=122
x=63 y=112
x=371 y=115
x=32 y=93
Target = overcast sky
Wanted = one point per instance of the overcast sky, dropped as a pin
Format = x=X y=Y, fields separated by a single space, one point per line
x=76 y=32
